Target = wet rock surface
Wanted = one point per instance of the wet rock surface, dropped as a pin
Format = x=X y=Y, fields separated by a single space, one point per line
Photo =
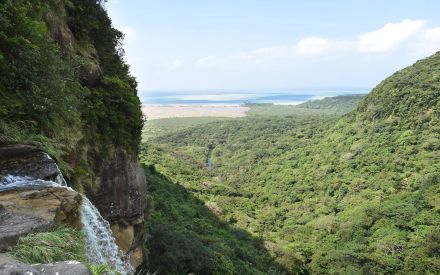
x=121 y=189
x=35 y=207
x=121 y=199
x=28 y=211
x=12 y=226
x=26 y=160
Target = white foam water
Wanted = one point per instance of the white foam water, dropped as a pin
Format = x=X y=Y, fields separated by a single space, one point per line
x=101 y=246
x=59 y=179
x=100 y=243
x=13 y=182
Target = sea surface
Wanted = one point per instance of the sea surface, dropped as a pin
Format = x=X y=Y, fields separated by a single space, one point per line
x=210 y=97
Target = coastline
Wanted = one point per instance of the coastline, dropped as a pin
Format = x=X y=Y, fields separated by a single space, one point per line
x=155 y=111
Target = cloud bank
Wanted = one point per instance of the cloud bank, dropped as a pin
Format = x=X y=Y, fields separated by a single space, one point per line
x=359 y=60
x=408 y=35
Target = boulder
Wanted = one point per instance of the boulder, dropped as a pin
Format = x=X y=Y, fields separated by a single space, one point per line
x=27 y=160
x=12 y=267
x=26 y=211
x=62 y=268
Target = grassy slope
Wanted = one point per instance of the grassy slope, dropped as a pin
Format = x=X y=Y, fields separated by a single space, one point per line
x=352 y=195
x=59 y=244
x=64 y=85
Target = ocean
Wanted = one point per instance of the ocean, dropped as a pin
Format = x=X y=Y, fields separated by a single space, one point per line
x=210 y=97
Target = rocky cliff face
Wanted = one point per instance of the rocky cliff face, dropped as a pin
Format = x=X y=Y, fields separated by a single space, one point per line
x=120 y=197
x=78 y=103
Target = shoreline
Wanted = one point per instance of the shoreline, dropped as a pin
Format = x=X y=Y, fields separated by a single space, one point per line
x=152 y=112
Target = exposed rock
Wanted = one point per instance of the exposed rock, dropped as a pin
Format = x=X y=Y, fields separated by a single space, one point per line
x=26 y=211
x=4 y=258
x=121 y=189
x=27 y=160
x=62 y=268
x=13 y=267
x=124 y=235
x=136 y=256
x=12 y=226
x=63 y=35
x=90 y=72
x=129 y=239
x=121 y=199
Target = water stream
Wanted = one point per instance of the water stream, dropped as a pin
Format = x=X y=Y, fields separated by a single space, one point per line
x=100 y=243
x=209 y=155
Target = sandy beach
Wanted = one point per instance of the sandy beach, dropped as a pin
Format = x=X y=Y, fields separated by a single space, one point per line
x=156 y=112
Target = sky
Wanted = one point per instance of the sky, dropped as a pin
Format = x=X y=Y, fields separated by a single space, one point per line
x=273 y=44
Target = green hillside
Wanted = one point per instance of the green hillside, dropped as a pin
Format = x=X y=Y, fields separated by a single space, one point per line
x=64 y=85
x=357 y=194
x=337 y=102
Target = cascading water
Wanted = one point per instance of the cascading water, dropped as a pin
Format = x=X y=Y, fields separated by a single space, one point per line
x=100 y=243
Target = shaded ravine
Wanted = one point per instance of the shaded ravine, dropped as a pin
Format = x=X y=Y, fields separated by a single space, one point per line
x=209 y=155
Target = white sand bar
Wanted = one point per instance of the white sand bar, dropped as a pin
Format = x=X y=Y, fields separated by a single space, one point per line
x=156 y=112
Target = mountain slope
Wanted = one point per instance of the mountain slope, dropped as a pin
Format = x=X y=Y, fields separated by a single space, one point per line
x=412 y=94
x=65 y=87
x=351 y=195
x=348 y=102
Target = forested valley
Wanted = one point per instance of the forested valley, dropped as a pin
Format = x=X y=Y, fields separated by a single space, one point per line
x=346 y=185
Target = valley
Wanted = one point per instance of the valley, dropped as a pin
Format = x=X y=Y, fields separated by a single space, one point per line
x=318 y=191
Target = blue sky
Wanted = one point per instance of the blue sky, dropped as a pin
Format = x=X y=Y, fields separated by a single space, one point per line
x=273 y=44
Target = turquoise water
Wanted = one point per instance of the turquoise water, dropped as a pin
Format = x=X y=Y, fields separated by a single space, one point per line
x=239 y=97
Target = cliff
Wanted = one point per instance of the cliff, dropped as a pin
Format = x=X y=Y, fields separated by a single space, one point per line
x=65 y=89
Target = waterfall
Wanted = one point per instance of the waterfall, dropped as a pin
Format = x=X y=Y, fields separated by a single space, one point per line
x=100 y=243
x=101 y=247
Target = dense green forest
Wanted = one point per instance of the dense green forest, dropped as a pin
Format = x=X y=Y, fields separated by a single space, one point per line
x=66 y=89
x=308 y=193
x=341 y=102
x=64 y=85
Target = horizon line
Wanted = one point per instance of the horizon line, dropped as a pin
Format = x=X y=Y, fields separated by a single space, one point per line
x=347 y=89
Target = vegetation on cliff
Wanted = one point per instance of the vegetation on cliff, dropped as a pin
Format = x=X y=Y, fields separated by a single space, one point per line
x=64 y=84
x=356 y=194
x=59 y=244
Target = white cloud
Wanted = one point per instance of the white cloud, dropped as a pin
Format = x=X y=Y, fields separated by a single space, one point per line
x=173 y=65
x=312 y=46
x=257 y=56
x=210 y=61
x=411 y=35
x=275 y=51
x=389 y=37
x=316 y=46
x=427 y=43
